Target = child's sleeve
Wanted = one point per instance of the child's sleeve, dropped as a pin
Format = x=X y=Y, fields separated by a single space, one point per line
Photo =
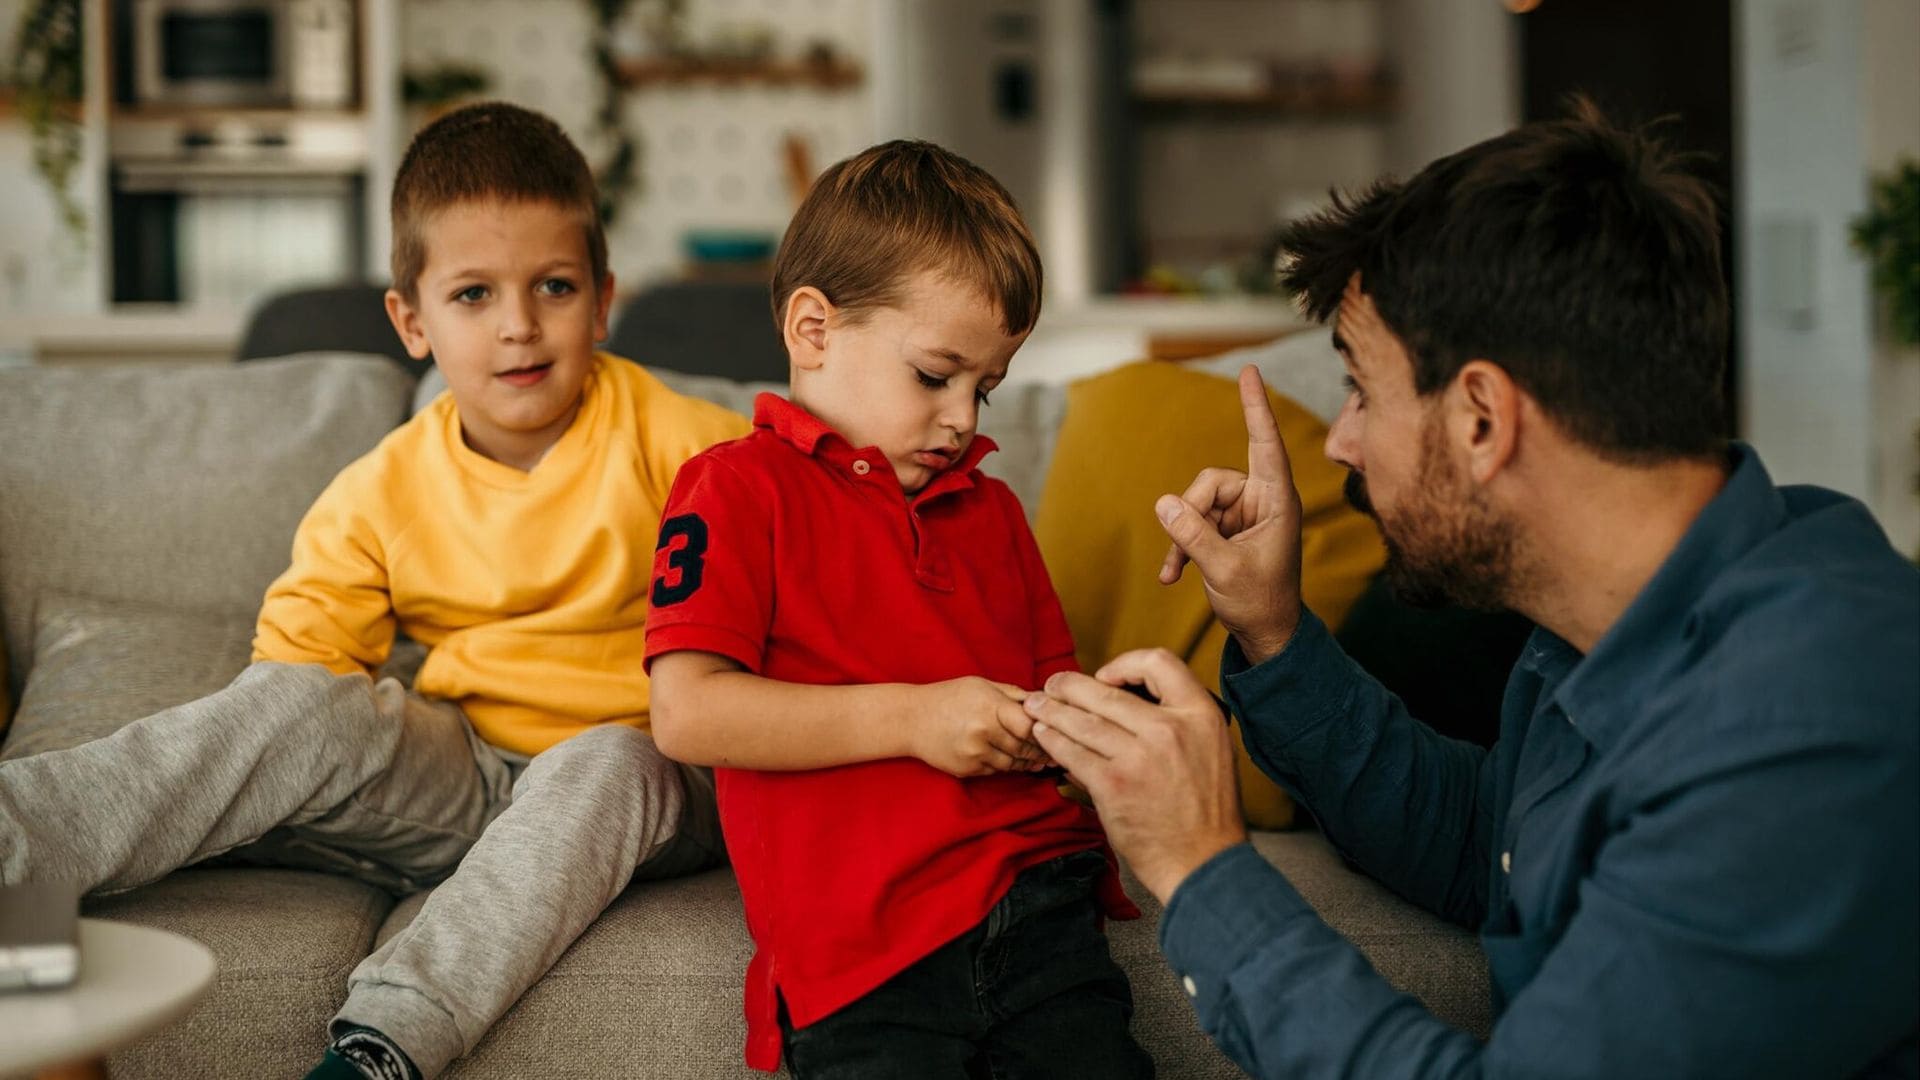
x=331 y=606
x=713 y=566
x=1052 y=639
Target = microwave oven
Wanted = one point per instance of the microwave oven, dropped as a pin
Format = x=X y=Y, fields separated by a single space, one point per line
x=243 y=53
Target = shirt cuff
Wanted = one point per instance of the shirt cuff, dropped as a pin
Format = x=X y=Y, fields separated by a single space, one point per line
x=1232 y=907
x=1294 y=691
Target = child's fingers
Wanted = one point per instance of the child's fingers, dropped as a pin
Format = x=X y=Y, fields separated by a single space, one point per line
x=1005 y=742
x=1014 y=693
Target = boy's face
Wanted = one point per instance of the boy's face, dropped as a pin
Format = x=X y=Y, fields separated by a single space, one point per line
x=507 y=306
x=910 y=379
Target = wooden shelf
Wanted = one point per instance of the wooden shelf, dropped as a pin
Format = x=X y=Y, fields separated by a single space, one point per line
x=1372 y=104
x=832 y=75
x=214 y=114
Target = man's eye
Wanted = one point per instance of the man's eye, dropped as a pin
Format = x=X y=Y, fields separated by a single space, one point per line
x=556 y=286
x=472 y=294
x=931 y=382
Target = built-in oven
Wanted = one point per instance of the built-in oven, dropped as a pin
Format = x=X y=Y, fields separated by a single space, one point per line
x=214 y=210
x=243 y=53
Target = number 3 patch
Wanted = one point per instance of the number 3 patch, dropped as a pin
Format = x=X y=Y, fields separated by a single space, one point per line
x=690 y=560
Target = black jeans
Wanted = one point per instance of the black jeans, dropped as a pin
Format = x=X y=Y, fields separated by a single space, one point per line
x=1029 y=992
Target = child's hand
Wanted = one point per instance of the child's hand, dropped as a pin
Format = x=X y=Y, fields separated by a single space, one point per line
x=968 y=728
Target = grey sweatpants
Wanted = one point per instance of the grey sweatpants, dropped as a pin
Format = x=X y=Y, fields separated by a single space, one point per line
x=342 y=773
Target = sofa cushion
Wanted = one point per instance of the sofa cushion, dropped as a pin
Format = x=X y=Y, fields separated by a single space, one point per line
x=285 y=941
x=98 y=665
x=653 y=989
x=177 y=487
x=1302 y=365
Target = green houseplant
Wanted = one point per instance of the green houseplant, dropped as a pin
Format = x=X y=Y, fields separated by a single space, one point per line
x=48 y=78
x=1889 y=234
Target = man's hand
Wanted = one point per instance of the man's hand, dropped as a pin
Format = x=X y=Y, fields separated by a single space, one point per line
x=1243 y=531
x=967 y=728
x=1161 y=776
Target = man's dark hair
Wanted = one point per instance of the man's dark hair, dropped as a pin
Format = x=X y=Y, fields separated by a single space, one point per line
x=1582 y=258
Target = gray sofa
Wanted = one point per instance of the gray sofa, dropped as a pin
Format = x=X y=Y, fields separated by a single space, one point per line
x=142 y=513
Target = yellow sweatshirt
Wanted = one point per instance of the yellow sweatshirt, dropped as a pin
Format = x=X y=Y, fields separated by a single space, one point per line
x=529 y=589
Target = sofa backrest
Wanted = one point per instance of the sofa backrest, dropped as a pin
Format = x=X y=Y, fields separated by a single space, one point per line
x=174 y=487
x=1023 y=420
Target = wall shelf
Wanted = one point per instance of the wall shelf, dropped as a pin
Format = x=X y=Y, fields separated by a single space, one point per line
x=823 y=75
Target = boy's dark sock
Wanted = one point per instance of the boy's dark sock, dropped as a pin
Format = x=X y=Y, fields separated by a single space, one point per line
x=361 y=1053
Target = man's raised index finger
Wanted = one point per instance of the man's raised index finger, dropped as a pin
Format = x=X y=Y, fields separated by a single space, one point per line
x=1266 y=453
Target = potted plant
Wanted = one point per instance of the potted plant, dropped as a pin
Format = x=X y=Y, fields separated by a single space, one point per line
x=1889 y=234
x=48 y=78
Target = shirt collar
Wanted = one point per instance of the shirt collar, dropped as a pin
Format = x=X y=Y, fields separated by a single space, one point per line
x=810 y=435
x=1638 y=654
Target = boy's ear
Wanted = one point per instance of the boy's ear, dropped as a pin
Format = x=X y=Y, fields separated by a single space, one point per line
x=406 y=323
x=602 y=305
x=804 y=328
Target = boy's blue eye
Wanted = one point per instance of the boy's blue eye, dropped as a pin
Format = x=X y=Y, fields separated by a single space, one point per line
x=556 y=286
x=929 y=381
x=472 y=294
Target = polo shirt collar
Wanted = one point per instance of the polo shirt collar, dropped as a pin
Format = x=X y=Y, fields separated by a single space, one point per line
x=810 y=435
x=1638 y=655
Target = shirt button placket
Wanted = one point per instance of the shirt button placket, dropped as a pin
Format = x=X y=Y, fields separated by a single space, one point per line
x=861 y=467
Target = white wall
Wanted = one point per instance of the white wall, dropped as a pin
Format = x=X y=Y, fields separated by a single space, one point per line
x=1458 y=62
x=1803 y=305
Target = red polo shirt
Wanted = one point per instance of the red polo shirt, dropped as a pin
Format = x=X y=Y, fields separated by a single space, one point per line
x=800 y=557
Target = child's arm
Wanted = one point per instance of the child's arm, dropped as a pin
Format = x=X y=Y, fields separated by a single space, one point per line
x=331 y=605
x=708 y=710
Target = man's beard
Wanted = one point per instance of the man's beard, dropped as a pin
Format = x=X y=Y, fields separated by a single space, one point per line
x=1445 y=545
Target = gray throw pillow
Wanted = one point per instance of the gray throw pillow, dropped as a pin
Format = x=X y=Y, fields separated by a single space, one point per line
x=98 y=665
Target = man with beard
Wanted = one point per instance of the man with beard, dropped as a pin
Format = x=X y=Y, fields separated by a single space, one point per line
x=1694 y=850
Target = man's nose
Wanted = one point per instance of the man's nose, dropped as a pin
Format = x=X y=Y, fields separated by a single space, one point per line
x=1342 y=445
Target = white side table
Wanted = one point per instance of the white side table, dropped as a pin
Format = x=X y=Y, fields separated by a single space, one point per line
x=132 y=980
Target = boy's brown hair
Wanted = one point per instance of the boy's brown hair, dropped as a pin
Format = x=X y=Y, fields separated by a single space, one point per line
x=899 y=208
x=491 y=150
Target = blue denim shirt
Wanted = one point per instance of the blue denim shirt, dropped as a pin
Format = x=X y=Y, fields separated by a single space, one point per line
x=1693 y=852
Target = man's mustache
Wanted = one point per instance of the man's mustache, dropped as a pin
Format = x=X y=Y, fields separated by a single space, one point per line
x=1355 y=490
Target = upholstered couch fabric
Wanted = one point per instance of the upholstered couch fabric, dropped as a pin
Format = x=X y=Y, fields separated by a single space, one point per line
x=142 y=514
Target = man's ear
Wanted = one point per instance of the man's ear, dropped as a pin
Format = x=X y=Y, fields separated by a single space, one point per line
x=406 y=323
x=803 y=327
x=602 y=305
x=1486 y=420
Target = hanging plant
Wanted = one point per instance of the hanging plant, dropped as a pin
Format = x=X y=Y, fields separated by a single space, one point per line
x=1889 y=234
x=48 y=80
x=619 y=175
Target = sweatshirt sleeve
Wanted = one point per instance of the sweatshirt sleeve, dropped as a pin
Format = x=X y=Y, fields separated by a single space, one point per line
x=332 y=605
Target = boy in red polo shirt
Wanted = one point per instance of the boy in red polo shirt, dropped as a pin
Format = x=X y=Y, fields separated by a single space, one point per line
x=845 y=618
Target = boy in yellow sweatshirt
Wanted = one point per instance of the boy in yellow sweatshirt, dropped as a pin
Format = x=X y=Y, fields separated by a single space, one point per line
x=510 y=528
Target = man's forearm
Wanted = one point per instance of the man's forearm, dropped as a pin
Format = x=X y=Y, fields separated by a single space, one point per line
x=1389 y=792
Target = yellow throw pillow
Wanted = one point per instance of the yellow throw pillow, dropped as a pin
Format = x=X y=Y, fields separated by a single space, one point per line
x=1145 y=430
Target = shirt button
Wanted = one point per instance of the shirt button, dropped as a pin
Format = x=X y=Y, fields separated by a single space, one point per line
x=1187 y=982
x=1506 y=862
x=860 y=467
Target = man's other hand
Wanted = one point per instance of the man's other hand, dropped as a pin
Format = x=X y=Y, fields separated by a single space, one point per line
x=1161 y=775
